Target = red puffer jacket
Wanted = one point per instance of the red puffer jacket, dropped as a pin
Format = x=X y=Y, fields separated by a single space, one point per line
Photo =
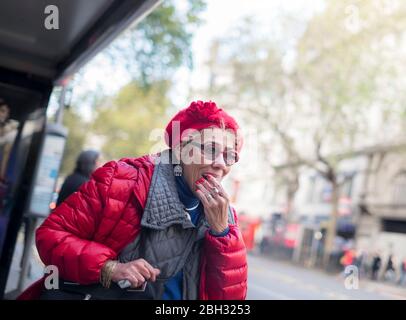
x=94 y=224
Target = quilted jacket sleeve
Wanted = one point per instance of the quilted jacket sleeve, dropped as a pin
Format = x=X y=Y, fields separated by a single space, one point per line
x=65 y=237
x=224 y=267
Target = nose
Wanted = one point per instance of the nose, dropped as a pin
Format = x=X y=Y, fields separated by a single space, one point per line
x=219 y=162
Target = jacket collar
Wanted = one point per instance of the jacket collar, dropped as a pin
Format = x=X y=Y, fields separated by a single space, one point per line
x=163 y=207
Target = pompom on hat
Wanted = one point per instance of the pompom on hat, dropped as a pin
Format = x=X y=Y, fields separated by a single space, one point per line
x=198 y=116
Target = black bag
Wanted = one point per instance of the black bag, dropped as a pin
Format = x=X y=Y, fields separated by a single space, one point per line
x=74 y=291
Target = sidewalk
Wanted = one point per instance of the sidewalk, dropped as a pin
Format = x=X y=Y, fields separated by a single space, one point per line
x=36 y=271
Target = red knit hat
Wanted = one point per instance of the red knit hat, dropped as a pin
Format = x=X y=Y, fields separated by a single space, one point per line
x=199 y=115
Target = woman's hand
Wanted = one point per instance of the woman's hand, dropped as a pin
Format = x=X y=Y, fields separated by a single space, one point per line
x=137 y=272
x=215 y=202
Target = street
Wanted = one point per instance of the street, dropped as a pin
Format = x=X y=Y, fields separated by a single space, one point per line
x=279 y=280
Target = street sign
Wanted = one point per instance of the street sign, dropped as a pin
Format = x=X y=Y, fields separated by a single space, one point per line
x=47 y=171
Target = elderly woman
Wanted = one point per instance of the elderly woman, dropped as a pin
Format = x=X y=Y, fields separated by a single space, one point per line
x=161 y=221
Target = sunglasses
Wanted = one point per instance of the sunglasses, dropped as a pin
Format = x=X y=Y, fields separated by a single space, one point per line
x=211 y=150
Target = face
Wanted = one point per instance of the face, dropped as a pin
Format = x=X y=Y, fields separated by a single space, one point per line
x=4 y=113
x=211 y=151
x=98 y=163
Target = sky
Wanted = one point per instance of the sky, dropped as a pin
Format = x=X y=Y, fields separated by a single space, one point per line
x=220 y=17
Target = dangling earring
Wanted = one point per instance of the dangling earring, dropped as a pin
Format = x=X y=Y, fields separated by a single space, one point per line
x=177 y=170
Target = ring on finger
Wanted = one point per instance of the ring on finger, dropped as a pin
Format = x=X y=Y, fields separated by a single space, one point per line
x=209 y=196
x=214 y=191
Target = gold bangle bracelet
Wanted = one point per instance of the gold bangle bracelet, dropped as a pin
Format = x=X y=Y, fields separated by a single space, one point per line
x=106 y=273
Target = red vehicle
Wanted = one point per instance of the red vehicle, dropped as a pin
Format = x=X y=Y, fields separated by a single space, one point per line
x=248 y=227
x=291 y=234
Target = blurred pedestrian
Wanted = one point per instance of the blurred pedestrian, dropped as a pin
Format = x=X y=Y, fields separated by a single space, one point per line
x=86 y=163
x=390 y=272
x=402 y=278
x=348 y=258
x=359 y=260
x=376 y=265
x=366 y=263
